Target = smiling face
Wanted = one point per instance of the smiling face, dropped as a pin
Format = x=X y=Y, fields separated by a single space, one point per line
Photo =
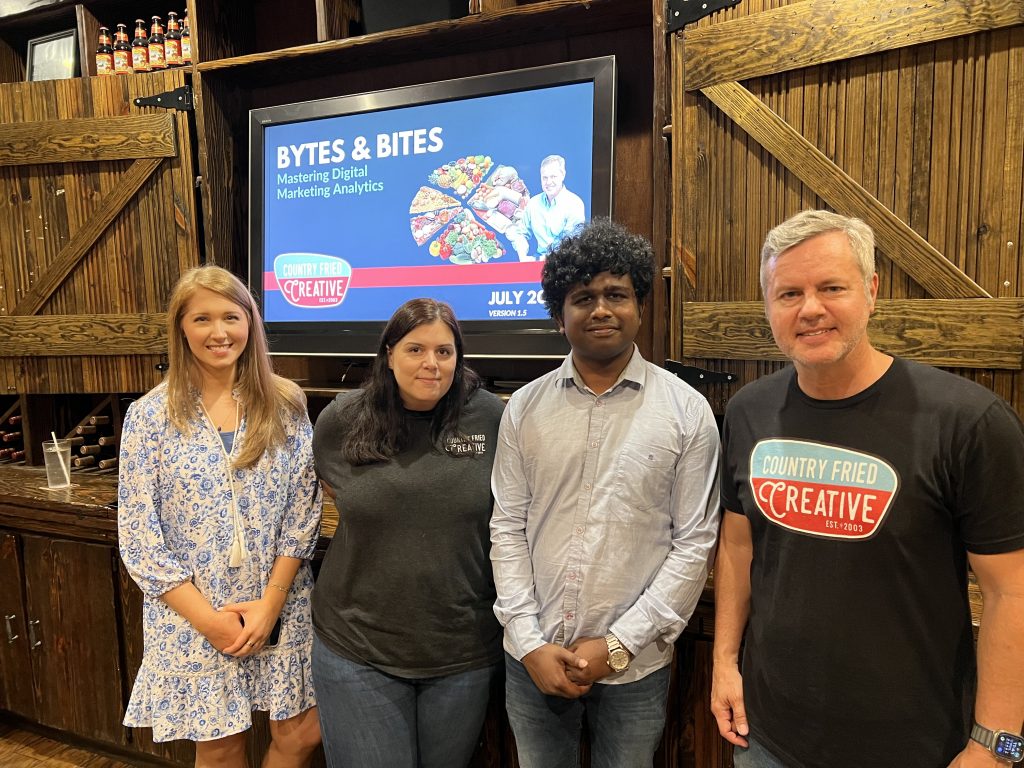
x=423 y=362
x=818 y=305
x=601 y=320
x=217 y=331
x=551 y=178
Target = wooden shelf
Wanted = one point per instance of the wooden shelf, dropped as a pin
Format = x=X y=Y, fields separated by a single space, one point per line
x=538 y=22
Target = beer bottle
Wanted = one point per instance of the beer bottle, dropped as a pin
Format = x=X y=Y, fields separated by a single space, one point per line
x=104 y=54
x=122 y=52
x=140 y=48
x=186 y=41
x=157 y=56
x=172 y=43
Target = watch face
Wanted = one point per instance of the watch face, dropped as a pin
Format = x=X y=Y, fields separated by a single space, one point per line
x=618 y=660
x=1009 y=747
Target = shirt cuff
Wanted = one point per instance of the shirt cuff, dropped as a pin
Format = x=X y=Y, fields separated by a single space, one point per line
x=523 y=636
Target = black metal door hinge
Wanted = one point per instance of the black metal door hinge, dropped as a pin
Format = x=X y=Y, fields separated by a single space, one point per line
x=697 y=377
x=179 y=99
x=683 y=12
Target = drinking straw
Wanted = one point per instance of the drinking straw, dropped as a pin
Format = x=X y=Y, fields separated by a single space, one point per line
x=60 y=458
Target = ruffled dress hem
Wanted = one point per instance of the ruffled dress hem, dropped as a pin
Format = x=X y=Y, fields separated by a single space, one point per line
x=216 y=703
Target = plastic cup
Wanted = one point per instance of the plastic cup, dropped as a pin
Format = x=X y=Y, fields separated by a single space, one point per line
x=57 y=456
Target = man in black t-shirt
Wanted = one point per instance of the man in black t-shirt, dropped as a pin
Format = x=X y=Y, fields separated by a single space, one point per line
x=858 y=487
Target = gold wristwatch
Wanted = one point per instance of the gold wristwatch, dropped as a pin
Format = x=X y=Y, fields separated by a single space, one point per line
x=618 y=657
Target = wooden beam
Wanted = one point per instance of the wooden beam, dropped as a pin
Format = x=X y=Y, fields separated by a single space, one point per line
x=907 y=249
x=129 y=137
x=75 y=335
x=957 y=333
x=84 y=238
x=814 y=32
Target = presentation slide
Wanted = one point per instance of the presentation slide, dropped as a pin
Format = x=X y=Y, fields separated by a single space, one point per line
x=362 y=212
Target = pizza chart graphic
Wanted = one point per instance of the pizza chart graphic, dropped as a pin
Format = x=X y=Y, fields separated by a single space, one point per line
x=445 y=211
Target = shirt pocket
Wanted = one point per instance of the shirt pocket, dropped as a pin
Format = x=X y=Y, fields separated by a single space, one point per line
x=644 y=474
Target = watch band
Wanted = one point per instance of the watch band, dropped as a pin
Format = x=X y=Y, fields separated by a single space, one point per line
x=983 y=736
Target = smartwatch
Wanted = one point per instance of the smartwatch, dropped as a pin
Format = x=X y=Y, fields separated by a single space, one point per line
x=1003 y=744
x=618 y=657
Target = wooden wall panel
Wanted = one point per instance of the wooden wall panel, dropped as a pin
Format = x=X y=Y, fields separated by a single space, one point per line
x=934 y=131
x=134 y=261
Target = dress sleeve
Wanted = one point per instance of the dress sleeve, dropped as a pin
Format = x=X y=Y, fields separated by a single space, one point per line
x=300 y=524
x=140 y=533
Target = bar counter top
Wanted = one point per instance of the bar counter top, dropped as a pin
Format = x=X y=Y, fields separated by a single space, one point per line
x=88 y=509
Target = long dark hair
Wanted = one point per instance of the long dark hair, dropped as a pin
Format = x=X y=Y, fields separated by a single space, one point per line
x=378 y=424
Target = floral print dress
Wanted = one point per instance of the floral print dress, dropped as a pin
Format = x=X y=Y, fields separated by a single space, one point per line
x=176 y=524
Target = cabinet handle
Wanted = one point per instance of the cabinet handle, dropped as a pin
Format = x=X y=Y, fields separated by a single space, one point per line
x=11 y=637
x=33 y=640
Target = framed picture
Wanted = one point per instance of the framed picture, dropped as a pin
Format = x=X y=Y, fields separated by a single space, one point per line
x=52 y=57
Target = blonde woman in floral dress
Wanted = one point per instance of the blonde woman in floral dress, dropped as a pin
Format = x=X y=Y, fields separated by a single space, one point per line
x=218 y=516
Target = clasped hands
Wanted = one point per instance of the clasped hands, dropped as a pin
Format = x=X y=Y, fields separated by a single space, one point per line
x=568 y=672
x=240 y=629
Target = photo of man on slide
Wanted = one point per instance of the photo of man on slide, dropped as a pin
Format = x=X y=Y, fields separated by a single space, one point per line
x=549 y=216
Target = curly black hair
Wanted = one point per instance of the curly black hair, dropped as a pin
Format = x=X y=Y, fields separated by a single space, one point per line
x=601 y=246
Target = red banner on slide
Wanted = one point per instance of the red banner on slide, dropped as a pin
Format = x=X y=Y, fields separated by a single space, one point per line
x=453 y=274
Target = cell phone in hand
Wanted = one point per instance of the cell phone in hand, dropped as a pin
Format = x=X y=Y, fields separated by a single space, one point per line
x=275 y=635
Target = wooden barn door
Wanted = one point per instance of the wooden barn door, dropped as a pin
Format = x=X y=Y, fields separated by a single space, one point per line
x=908 y=115
x=97 y=220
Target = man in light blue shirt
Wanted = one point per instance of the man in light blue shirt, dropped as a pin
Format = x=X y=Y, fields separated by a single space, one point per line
x=606 y=510
x=552 y=215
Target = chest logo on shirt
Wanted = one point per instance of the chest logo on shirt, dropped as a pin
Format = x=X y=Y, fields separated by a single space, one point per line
x=467 y=444
x=820 y=489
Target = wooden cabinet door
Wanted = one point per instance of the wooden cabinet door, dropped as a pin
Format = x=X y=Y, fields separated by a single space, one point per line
x=16 y=694
x=72 y=611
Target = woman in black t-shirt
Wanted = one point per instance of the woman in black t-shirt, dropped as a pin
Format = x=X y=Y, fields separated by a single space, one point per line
x=407 y=645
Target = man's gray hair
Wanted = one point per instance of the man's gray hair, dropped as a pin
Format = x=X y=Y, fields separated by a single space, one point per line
x=808 y=224
x=554 y=160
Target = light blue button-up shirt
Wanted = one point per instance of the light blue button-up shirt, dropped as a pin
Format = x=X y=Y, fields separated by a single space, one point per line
x=606 y=511
x=549 y=220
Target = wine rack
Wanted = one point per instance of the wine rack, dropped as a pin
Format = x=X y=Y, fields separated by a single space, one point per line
x=95 y=439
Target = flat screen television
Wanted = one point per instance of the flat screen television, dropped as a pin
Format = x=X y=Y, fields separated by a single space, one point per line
x=359 y=203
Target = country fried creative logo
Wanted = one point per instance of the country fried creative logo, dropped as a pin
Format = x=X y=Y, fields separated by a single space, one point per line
x=821 y=490
x=312 y=279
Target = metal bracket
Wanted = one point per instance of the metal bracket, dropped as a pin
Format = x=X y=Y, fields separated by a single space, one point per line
x=683 y=12
x=695 y=376
x=179 y=99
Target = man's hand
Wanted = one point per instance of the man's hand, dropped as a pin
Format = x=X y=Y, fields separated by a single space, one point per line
x=727 y=704
x=976 y=756
x=548 y=667
x=595 y=651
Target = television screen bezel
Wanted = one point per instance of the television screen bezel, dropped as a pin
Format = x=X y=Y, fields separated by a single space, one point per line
x=483 y=338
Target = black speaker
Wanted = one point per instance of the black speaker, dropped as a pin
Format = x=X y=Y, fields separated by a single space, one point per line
x=379 y=15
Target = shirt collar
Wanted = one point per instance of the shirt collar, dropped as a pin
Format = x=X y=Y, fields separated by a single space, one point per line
x=634 y=374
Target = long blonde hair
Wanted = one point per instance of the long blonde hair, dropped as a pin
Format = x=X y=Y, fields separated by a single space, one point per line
x=263 y=394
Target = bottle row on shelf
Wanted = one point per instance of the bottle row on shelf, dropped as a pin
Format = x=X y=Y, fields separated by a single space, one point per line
x=145 y=53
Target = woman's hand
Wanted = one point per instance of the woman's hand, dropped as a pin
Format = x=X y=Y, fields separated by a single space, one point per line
x=258 y=617
x=221 y=629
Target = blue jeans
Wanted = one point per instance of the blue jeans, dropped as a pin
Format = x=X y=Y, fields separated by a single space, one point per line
x=625 y=721
x=369 y=719
x=755 y=756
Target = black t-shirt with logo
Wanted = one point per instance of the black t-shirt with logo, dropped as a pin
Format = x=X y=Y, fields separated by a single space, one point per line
x=406 y=585
x=859 y=650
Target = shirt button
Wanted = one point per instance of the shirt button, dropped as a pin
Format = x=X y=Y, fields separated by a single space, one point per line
x=586 y=486
x=594 y=444
x=568 y=616
x=579 y=529
x=572 y=576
